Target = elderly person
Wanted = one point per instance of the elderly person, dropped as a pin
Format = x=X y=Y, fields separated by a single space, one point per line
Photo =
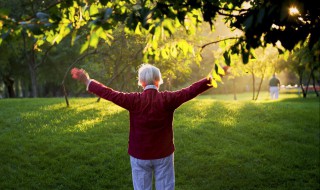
x=274 y=86
x=151 y=146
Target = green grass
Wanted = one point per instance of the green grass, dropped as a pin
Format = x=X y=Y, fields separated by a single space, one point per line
x=263 y=96
x=220 y=144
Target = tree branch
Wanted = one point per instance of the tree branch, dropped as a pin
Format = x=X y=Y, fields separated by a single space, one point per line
x=65 y=76
x=76 y=61
x=210 y=43
x=45 y=56
x=227 y=14
x=43 y=10
x=52 y=5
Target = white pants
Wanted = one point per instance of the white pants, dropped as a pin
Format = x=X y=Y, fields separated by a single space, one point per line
x=162 y=169
x=274 y=92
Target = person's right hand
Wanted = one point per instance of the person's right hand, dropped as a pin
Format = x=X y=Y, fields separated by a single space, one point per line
x=81 y=75
x=226 y=70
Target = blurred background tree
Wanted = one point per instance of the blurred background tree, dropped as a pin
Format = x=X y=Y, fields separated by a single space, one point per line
x=179 y=37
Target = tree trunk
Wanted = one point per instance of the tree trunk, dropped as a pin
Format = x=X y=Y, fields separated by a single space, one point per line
x=65 y=94
x=67 y=71
x=8 y=81
x=259 y=88
x=18 y=88
x=25 y=89
x=314 y=83
x=308 y=82
x=301 y=85
x=253 y=85
x=30 y=59
x=234 y=90
x=33 y=77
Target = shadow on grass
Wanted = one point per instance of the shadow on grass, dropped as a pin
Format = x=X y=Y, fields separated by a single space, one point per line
x=50 y=146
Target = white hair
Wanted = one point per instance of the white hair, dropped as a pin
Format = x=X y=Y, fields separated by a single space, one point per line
x=149 y=75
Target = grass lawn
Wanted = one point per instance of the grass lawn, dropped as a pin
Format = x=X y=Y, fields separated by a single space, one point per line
x=220 y=144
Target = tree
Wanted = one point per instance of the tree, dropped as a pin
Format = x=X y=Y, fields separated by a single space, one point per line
x=11 y=66
x=6 y=69
x=262 y=22
x=264 y=65
x=29 y=51
x=305 y=63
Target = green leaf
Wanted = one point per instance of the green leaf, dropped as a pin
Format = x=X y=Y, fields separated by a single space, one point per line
x=40 y=42
x=157 y=33
x=157 y=56
x=167 y=24
x=99 y=31
x=230 y=6
x=245 y=57
x=164 y=53
x=173 y=51
x=227 y=58
x=1 y=24
x=216 y=77
x=286 y=55
x=137 y=30
x=84 y=47
x=252 y=55
x=73 y=37
x=93 y=9
x=220 y=70
x=94 y=40
x=154 y=44
x=214 y=83
x=184 y=46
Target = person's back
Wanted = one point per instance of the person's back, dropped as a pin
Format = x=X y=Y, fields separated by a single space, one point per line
x=274 y=82
x=151 y=115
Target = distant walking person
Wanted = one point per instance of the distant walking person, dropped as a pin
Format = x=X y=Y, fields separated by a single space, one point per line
x=274 y=86
x=151 y=147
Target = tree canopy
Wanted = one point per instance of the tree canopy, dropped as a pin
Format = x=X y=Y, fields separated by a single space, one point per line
x=166 y=29
x=289 y=22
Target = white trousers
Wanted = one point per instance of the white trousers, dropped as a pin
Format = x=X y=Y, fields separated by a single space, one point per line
x=274 y=92
x=162 y=170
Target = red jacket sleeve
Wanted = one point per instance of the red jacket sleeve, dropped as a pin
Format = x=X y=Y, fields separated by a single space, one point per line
x=121 y=99
x=176 y=98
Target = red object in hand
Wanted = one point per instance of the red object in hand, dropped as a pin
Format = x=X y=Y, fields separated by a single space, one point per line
x=80 y=75
x=75 y=73
x=226 y=69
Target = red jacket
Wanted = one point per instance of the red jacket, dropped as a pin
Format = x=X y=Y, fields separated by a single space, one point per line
x=151 y=116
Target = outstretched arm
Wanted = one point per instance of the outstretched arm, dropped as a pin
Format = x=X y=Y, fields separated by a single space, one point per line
x=93 y=86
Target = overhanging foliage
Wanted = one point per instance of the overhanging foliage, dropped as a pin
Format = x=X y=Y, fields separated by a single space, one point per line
x=262 y=22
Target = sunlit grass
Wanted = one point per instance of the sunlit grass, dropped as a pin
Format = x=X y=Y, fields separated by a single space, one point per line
x=263 y=96
x=220 y=144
